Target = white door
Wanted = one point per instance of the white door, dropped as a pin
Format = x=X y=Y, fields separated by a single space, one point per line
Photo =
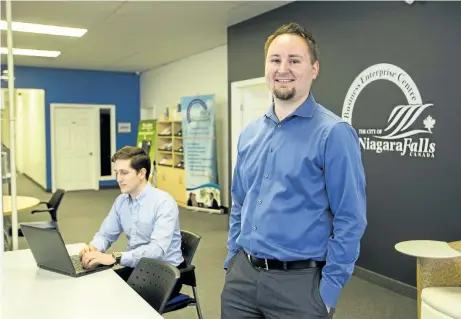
x=255 y=103
x=250 y=100
x=75 y=134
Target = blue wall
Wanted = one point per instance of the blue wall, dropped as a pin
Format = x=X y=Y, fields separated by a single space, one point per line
x=84 y=87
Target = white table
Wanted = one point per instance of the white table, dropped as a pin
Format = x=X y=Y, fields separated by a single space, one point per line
x=22 y=203
x=30 y=292
x=427 y=249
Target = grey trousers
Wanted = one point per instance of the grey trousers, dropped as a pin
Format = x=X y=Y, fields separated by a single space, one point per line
x=250 y=292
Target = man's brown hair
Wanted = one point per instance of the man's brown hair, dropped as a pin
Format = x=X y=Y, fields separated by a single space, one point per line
x=296 y=29
x=138 y=158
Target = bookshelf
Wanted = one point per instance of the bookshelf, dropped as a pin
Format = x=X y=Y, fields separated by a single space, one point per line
x=170 y=160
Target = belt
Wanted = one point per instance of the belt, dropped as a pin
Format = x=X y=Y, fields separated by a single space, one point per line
x=283 y=265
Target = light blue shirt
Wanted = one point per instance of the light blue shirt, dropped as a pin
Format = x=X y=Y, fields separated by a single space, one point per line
x=150 y=223
x=298 y=193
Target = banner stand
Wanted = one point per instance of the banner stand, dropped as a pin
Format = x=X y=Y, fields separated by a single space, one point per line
x=205 y=210
x=199 y=139
x=147 y=131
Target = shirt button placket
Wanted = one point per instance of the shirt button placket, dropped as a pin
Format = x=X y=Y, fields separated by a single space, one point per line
x=134 y=218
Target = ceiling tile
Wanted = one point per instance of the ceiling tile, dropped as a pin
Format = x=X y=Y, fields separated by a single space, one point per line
x=77 y=14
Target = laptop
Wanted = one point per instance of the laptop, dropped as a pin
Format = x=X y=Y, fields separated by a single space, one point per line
x=51 y=254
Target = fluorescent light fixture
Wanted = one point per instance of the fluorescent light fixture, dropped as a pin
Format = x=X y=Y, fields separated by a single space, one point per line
x=32 y=52
x=43 y=29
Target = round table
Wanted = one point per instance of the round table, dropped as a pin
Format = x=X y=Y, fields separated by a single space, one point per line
x=22 y=202
x=427 y=249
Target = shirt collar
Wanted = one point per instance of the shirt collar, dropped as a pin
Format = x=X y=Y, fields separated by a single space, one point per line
x=141 y=195
x=306 y=109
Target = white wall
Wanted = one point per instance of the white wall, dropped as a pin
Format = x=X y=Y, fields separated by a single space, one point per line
x=204 y=73
x=5 y=118
x=30 y=134
x=21 y=129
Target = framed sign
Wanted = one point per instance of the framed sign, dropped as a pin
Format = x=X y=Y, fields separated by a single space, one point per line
x=124 y=127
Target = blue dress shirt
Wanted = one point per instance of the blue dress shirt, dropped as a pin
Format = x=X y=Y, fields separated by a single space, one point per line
x=150 y=223
x=298 y=193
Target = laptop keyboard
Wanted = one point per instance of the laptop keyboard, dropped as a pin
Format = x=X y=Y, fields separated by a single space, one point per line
x=78 y=264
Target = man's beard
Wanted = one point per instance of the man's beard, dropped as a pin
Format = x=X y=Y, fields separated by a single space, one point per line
x=285 y=95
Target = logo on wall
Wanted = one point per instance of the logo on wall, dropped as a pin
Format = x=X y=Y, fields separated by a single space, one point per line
x=406 y=132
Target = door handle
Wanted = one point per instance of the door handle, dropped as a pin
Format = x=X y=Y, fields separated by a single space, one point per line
x=91 y=153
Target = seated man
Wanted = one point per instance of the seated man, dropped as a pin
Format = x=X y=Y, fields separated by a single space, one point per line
x=148 y=216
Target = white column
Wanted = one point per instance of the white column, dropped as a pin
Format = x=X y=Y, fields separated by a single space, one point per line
x=14 y=212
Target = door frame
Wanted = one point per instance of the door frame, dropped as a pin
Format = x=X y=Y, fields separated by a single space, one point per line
x=113 y=142
x=97 y=162
x=237 y=94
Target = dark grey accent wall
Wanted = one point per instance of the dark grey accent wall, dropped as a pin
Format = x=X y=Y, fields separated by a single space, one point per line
x=408 y=197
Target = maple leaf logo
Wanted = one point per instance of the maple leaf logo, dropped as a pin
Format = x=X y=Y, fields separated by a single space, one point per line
x=429 y=123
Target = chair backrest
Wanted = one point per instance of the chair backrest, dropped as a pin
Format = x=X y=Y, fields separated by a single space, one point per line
x=189 y=244
x=54 y=202
x=154 y=281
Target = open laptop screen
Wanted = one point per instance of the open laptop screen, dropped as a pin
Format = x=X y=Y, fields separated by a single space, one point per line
x=47 y=247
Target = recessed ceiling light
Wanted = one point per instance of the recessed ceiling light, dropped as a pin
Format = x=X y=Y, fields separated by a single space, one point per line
x=32 y=52
x=43 y=29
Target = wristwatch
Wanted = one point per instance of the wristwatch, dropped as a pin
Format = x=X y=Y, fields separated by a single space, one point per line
x=117 y=256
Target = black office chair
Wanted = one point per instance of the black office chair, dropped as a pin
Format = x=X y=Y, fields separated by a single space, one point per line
x=154 y=281
x=52 y=208
x=52 y=205
x=189 y=244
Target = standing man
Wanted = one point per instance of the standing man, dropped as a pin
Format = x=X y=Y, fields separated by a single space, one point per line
x=298 y=194
x=148 y=216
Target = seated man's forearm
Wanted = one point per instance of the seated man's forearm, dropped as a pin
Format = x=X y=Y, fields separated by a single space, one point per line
x=100 y=243
x=152 y=250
